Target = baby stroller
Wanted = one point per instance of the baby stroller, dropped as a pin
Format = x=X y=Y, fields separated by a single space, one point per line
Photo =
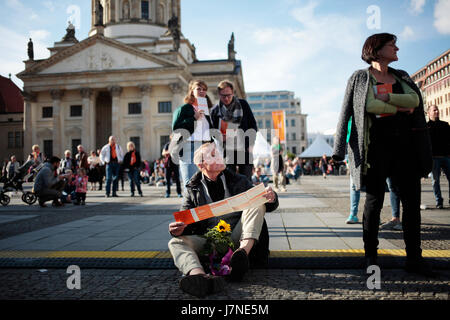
x=15 y=184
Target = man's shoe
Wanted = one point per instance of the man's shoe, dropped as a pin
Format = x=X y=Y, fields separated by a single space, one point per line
x=132 y=194
x=200 y=285
x=141 y=194
x=439 y=206
x=196 y=285
x=180 y=195
x=215 y=284
x=167 y=195
x=420 y=266
x=239 y=265
x=390 y=225
x=398 y=227
x=115 y=195
x=107 y=195
x=42 y=204
x=352 y=220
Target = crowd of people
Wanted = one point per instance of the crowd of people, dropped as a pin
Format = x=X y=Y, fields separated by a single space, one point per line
x=388 y=140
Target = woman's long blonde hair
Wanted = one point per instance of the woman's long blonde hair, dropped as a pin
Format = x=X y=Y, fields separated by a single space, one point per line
x=190 y=98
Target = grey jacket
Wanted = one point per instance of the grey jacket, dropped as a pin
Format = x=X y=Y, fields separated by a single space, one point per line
x=45 y=178
x=354 y=105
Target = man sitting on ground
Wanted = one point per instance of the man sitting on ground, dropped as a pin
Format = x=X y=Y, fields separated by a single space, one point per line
x=213 y=182
x=49 y=186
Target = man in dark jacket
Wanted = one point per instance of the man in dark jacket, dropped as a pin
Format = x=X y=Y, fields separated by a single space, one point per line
x=214 y=183
x=440 y=148
x=48 y=185
x=234 y=118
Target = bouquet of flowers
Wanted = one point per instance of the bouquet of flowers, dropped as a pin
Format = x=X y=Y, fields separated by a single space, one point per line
x=219 y=248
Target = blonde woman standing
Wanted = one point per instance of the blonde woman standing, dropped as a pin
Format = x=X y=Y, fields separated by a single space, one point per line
x=189 y=117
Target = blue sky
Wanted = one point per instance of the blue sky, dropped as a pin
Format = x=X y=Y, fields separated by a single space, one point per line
x=310 y=47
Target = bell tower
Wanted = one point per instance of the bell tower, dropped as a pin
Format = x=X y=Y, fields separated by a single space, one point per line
x=133 y=21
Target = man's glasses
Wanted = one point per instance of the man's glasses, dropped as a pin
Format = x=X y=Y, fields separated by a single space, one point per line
x=225 y=95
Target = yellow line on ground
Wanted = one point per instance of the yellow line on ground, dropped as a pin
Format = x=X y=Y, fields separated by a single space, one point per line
x=79 y=254
x=166 y=254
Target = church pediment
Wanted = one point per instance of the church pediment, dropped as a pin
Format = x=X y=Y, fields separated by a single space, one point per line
x=98 y=53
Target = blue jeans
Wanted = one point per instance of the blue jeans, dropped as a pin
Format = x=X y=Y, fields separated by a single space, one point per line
x=395 y=198
x=112 y=175
x=134 y=178
x=439 y=163
x=187 y=166
x=354 y=198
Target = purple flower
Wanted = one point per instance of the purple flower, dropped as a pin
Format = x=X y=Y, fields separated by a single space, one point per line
x=224 y=267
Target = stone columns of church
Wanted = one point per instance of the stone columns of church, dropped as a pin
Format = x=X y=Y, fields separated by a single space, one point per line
x=135 y=9
x=28 y=122
x=58 y=136
x=116 y=91
x=88 y=122
x=178 y=94
x=147 y=114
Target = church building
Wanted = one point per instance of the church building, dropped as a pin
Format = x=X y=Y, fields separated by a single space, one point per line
x=126 y=79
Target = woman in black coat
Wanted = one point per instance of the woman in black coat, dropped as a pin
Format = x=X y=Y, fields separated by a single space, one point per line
x=132 y=162
x=388 y=138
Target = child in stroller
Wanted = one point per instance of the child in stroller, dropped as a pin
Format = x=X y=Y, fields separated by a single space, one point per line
x=15 y=184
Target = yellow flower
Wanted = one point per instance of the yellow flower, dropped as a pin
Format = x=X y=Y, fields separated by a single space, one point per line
x=222 y=226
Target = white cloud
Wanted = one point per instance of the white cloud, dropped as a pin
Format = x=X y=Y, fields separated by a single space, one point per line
x=214 y=55
x=15 y=4
x=49 y=5
x=14 y=50
x=39 y=35
x=407 y=33
x=441 y=15
x=309 y=55
x=416 y=6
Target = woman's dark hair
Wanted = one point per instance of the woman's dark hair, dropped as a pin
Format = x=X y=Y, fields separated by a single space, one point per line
x=373 y=44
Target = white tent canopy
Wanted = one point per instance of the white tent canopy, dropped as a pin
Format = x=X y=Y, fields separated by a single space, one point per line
x=261 y=147
x=317 y=149
x=261 y=150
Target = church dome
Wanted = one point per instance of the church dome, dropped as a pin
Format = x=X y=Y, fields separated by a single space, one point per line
x=133 y=21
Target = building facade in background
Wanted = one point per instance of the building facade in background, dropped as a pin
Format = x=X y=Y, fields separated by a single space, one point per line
x=125 y=79
x=434 y=83
x=11 y=120
x=263 y=103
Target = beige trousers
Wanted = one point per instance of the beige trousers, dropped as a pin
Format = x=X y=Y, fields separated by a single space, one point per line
x=276 y=179
x=185 y=249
